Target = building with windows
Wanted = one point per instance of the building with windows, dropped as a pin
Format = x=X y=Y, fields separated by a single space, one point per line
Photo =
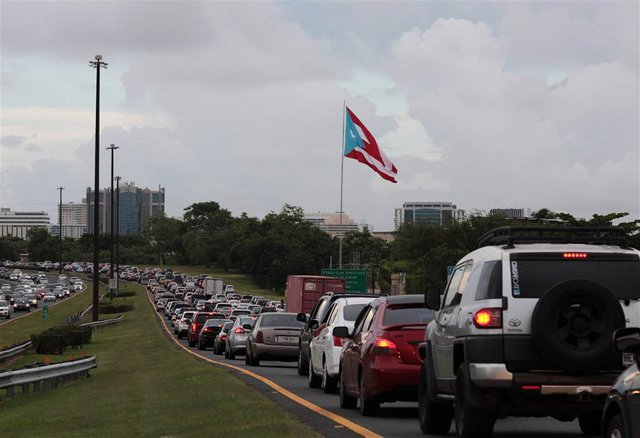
x=17 y=223
x=430 y=213
x=512 y=213
x=330 y=223
x=74 y=220
x=135 y=206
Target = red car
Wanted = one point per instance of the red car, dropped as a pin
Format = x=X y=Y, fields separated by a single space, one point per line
x=197 y=322
x=380 y=361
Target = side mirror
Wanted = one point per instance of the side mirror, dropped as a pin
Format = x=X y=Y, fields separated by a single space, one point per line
x=432 y=298
x=313 y=324
x=302 y=317
x=627 y=340
x=188 y=321
x=247 y=326
x=341 y=332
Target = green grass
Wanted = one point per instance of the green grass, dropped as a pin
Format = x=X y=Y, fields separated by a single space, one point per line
x=145 y=386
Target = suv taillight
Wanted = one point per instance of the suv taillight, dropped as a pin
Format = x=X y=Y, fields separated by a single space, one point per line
x=194 y=326
x=385 y=346
x=259 y=337
x=240 y=330
x=490 y=317
x=337 y=341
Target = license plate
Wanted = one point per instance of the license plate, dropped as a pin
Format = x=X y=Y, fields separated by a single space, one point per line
x=287 y=339
x=628 y=359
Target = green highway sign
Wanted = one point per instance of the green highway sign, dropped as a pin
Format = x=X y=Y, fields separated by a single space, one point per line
x=355 y=280
x=45 y=312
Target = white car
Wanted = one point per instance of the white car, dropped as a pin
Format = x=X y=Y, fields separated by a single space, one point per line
x=324 y=348
x=4 y=309
x=181 y=327
x=49 y=296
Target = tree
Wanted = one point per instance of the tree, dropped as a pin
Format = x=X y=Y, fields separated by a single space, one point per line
x=163 y=234
x=41 y=245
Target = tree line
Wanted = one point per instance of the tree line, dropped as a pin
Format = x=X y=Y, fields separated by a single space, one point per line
x=283 y=243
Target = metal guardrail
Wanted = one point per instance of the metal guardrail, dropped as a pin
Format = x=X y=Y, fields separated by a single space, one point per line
x=46 y=376
x=6 y=354
x=104 y=322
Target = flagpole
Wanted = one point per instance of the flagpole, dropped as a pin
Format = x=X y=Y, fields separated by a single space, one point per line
x=344 y=114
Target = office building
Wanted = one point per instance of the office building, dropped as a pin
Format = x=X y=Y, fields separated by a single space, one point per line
x=74 y=220
x=330 y=223
x=430 y=213
x=136 y=205
x=512 y=213
x=17 y=223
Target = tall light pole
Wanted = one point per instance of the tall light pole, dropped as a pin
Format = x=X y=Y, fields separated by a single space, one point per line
x=97 y=64
x=60 y=226
x=118 y=230
x=112 y=148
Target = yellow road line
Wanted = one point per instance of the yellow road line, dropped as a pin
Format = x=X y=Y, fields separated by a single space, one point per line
x=290 y=395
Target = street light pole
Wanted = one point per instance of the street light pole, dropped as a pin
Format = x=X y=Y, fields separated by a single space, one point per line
x=97 y=64
x=118 y=230
x=60 y=226
x=112 y=148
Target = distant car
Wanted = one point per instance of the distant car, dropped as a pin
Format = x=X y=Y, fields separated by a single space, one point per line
x=220 y=340
x=33 y=300
x=621 y=415
x=237 y=337
x=49 y=296
x=381 y=363
x=275 y=336
x=209 y=331
x=181 y=326
x=4 y=309
x=21 y=303
x=198 y=320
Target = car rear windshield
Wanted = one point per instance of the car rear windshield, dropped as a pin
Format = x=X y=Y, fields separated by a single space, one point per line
x=279 y=320
x=351 y=311
x=416 y=314
x=534 y=274
x=202 y=317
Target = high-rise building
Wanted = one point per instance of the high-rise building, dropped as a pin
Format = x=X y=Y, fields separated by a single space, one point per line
x=74 y=220
x=330 y=223
x=431 y=213
x=17 y=223
x=135 y=206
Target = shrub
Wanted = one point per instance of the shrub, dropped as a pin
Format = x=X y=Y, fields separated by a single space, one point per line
x=126 y=293
x=56 y=339
x=115 y=307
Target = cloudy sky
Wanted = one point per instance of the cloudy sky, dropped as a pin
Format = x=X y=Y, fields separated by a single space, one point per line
x=483 y=104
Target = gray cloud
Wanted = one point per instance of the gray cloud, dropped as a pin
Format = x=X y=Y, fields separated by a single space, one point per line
x=12 y=141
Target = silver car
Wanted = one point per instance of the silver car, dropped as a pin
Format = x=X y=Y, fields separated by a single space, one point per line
x=237 y=337
x=275 y=336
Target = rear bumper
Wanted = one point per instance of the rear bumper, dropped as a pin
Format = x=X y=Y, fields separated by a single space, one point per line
x=388 y=379
x=276 y=352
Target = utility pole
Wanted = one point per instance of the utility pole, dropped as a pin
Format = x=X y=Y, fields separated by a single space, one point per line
x=112 y=148
x=97 y=64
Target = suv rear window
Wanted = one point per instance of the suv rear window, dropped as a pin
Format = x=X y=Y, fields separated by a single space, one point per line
x=407 y=315
x=533 y=274
x=278 y=320
x=202 y=317
x=351 y=311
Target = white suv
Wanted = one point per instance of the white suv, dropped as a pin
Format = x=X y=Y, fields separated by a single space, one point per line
x=4 y=309
x=524 y=329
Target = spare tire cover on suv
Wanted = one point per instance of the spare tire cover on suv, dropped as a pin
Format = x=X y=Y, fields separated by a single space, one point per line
x=572 y=325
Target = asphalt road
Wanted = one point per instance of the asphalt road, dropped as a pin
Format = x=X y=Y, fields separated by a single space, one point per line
x=394 y=420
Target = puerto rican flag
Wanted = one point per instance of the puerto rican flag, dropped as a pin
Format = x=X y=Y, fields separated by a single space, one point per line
x=360 y=145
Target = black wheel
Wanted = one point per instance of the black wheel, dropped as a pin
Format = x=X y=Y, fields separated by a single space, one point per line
x=247 y=359
x=200 y=346
x=314 y=380
x=615 y=429
x=179 y=335
x=253 y=361
x=329 y=384
x=232 y=354
x=226 y=353
x=303 y=365
x=470 y=421
x=368 y=406
x=572 y=325
x=435 y=418
x=217 y=349
x=191 y=343
x=590 y=423
x=346 y=401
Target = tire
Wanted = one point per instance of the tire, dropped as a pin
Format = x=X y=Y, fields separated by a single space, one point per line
x=572 y=325
x=615 y=429
x=251 y=360
x=303 y=366
x=368 y=407
x=328 y=384
x=232 y=355
x=313 y=380
x=434 y=417
x=179 y=335
x=346 y=401
x=471 y=422
x=590 y=423
x=200 y=346
x=217 y=349
x=247 y=359
x=226 y=353
x=191 y=343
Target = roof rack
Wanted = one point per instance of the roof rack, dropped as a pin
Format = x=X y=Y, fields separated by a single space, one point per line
x=590 y=235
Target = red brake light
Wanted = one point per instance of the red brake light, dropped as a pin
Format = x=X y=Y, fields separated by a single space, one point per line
x=239 y=330
x=337 y=341
x=194 y=327
x=574 y=255
x=223 y=337
x=259 y=337
x=488 y=318
x=385 y=346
